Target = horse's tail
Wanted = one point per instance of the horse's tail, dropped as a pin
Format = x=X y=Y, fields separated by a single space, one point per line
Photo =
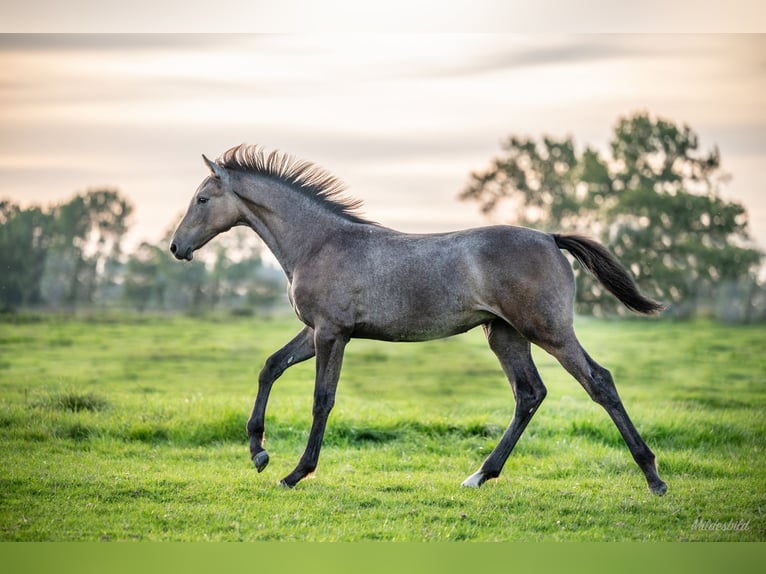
x=605 y=267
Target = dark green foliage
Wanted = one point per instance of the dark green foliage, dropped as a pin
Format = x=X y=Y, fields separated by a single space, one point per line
x=70 y=256
x=61 y=255
x=655 y=202
x=24 y=244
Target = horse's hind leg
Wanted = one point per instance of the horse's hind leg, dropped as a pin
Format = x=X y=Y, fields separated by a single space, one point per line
x=513 y=351
x=297 y=350
x=599 y=384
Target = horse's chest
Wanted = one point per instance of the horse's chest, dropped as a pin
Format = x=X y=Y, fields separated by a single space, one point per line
x=314 y=298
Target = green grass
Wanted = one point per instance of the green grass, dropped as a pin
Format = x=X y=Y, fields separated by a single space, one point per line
x=132 y=428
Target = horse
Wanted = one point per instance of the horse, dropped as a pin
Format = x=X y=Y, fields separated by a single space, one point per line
x=349 y=277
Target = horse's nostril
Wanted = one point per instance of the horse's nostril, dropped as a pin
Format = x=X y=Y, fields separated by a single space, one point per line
x=173 y=248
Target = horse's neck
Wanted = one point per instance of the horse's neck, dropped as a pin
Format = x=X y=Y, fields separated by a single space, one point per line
x=290 y=224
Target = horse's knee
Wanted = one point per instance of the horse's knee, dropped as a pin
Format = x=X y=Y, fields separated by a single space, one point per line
x=527 y=384
x=270 y=371
x=529 y=398
x=602 y=389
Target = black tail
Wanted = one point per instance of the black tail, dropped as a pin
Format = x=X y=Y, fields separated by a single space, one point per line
x=605 y=267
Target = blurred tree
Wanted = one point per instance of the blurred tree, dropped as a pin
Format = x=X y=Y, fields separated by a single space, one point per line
x=71 y=255
x=24 y=243
x=153 y=279
x=85 y=233
x=229 y=274
x=143 y=285
x=655 y=202
x=534 y=179
x=239 y=278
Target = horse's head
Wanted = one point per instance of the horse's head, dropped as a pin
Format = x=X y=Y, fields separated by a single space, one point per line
x=215 y=208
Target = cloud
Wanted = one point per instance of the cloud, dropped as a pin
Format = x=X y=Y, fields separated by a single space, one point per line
x=502 y=53
x=382 y=112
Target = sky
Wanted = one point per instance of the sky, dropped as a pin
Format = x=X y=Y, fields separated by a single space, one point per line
x=402 y=119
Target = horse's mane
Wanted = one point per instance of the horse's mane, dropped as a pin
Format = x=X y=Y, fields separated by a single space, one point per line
x=303 y=176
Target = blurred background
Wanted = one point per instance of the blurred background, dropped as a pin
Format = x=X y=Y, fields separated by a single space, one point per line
x=652 y=143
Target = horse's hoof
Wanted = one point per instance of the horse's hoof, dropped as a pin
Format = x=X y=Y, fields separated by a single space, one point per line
x=475 y=480
x=260 y=460
x=659 y=489
x=285 y=485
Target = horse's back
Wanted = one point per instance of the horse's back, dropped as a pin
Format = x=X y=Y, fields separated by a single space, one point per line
x=405 y=287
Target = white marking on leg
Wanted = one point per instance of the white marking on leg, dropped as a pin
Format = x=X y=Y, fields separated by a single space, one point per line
x=290 y=359
x=474 y=481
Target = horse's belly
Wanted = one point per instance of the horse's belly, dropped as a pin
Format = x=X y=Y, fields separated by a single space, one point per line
x=418 y=326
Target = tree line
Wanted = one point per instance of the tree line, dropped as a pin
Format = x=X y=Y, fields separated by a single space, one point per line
x=654 y=199
x=71 y=256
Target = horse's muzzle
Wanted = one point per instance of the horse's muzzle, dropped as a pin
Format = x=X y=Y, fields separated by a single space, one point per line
x=181 y=253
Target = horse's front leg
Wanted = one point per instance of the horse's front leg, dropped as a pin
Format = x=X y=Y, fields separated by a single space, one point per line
x=329 y=352
x=297 y=350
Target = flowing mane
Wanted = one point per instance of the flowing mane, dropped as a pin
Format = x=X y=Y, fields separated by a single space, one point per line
x=303 y=176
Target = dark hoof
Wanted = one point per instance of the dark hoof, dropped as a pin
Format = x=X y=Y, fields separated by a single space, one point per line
x=260 y=460
x=284 y=484
x=659 y=489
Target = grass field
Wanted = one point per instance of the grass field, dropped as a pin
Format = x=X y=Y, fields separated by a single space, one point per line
x=132 y=428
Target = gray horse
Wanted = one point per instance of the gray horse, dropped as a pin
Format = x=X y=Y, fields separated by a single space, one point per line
x=349 y=277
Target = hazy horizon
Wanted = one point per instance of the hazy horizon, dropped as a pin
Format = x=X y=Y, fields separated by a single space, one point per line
x=402 y=119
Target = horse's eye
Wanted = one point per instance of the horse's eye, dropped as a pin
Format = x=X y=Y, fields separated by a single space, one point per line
x=202 y=200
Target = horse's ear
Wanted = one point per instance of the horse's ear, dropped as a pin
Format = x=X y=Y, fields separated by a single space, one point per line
x=215 y=169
